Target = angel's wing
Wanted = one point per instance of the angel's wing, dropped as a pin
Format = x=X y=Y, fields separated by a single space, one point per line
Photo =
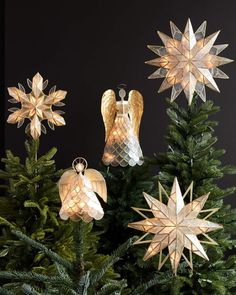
x=108 y=109
x=135 y=109
x=98 y=182
x=65 y=182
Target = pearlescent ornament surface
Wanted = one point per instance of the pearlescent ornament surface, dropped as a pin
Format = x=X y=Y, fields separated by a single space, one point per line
x=77 y=188
x=175 y=226
x=188 y=61
x=36 y=106
x=122 y=121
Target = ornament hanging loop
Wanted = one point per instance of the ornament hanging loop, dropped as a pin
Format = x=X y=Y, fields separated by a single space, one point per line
x=79 y=164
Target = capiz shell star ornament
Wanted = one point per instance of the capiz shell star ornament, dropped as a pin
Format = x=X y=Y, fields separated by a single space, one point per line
x=77 y=188
x=36 y=106
x=175 y=226
x=188 y=61
x=122 y=121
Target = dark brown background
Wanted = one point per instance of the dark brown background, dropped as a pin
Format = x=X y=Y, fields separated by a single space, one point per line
x=86 y=47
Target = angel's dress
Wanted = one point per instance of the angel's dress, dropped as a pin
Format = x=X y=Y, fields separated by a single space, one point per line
x=80 y=202
x=122 y=147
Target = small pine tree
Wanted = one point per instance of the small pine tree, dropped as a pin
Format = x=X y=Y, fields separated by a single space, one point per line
x=80 y=277
x=30 y=203
x=191 y=156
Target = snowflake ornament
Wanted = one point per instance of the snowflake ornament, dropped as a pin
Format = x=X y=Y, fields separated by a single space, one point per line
x=36 y=106
x=188 y=61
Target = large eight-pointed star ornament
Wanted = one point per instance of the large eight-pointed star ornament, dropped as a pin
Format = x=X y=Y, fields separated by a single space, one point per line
x=188 y=61
x=175 y=226
x=36 y=106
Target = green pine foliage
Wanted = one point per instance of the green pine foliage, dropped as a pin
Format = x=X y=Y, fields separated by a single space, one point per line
x=192 y=156
x=40 y=254
x=125 y=190
x=30 y=202
x=72 y=278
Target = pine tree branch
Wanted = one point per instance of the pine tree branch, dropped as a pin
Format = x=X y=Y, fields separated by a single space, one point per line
x=3 y=221
x=4 y=291
x=62 y=271
x=29 y=290
x=33 y=276
x=54 y=256
x=160 y=279
x=229 y=169
x=79 y=232
x=96 y=275
x=112 y=287
x=175 y=286
x=84 y=283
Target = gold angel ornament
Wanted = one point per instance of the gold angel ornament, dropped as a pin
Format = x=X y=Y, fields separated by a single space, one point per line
x=122 y=120
x=77 y=188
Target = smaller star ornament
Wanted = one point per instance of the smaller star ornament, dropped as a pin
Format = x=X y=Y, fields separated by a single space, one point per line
x=36 y=106
x=188 y=61
x=175 y=226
